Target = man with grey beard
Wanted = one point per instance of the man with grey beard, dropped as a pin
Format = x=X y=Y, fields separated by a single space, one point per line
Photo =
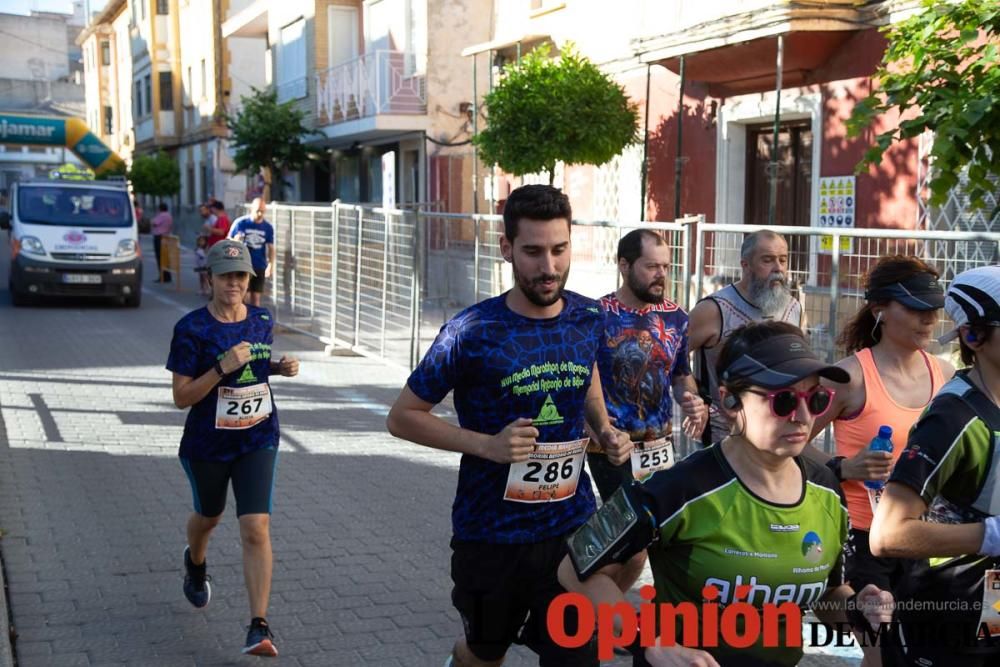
x=762 y=293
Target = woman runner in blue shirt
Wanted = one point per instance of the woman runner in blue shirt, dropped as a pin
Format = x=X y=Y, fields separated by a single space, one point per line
x=220 y=357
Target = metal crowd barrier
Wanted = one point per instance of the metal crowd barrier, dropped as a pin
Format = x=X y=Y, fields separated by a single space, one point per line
x=383 y=282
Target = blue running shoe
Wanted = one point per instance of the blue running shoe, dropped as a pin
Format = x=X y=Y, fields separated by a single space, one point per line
x=260 y=641
x=196 y=587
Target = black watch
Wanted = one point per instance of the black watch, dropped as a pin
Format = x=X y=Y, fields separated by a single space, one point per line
x=834 y=465
x=218 y=369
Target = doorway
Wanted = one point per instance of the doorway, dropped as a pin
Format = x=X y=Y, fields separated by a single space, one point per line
x=793 y=171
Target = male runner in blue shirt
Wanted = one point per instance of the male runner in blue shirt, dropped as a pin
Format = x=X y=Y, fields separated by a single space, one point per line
x=522 y=366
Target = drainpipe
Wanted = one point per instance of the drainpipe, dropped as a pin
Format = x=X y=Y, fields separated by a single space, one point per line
x=490 y=196
x=773 y=167
x=679 y=160
x=219 y=134
x=475 y=131
x=219 y=55
x=645 y=151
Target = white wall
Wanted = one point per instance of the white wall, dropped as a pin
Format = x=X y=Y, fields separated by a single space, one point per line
x=96 y=93
x=246 y=67
x=196 y=44
x=20 y=53
x=120 y=83
x=388 y=25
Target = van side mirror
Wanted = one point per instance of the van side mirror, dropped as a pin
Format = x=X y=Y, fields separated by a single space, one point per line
x=4 y=220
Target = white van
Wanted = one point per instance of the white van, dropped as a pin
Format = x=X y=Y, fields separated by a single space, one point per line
x=73 y=238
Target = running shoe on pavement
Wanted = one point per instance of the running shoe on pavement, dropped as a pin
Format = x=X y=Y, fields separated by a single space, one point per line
x=260 y=641
x=196 y=587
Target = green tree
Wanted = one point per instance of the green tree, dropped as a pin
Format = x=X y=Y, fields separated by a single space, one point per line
x=547 y=110
x=267 y=138
x=940 y=72
x=156 y=175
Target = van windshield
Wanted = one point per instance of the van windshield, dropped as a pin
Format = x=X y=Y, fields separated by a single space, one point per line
x=75 y=206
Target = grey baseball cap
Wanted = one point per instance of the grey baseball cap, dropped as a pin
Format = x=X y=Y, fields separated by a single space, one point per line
x=228 y=256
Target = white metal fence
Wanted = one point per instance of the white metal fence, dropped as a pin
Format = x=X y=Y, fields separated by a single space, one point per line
x=382 y=283
x=830 y=282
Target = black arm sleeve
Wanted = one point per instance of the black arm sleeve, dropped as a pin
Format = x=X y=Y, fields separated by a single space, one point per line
x=621 y=528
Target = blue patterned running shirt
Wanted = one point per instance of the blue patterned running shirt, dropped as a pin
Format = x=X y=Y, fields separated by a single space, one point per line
x=503 y=366
x=238 y=416
x=643 y=351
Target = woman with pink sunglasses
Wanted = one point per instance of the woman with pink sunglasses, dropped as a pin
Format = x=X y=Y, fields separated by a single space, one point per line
x=748 y=511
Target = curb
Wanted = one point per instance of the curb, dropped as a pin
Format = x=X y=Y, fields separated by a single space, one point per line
x=6 y=649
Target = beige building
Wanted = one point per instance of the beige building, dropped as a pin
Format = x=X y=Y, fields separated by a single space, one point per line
x=213 y=74
x=707 y=136
x=373 y=76
x=604 y=33
x=159 y=77
x=107 y=59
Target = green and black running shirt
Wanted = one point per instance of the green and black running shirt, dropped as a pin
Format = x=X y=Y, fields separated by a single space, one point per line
x=951 y=460
x=714 y=531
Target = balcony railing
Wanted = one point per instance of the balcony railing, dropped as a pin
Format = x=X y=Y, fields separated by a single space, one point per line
x=379 y=82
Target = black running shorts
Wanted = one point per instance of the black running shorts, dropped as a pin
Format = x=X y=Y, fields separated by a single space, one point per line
x=257 y=282
x=503 y=592
x=863 y=568
x=253 y=482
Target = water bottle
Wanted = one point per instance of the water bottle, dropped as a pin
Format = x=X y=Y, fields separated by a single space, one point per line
x=880 y=443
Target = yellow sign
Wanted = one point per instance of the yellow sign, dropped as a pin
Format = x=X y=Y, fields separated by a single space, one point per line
x=826 y=244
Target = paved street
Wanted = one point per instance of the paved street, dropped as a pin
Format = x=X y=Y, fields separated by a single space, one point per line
x=93 y=503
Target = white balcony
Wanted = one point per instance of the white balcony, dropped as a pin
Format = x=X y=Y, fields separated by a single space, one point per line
x=374 y=84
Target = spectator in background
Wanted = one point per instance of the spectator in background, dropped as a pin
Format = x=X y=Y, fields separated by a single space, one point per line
x=211 y=229
x=201 y=266
x=161 y=224
x=258 y=234
x=221 y=219
x=762 y=293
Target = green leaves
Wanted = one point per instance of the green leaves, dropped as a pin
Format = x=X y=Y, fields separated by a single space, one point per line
x=157 y=175
x=267 y=135
x=943 y=61
x=545 y=111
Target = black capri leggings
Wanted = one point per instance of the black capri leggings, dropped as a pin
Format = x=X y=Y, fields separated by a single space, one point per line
x=253 y=482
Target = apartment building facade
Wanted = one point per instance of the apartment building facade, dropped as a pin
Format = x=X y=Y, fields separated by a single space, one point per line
x=41 y=76
x=724 y=119
x=159 y=77
x=373 y=77
x=108 y=77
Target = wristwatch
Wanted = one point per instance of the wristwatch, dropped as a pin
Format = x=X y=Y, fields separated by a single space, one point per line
x=218 y=369
x=834 y=465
